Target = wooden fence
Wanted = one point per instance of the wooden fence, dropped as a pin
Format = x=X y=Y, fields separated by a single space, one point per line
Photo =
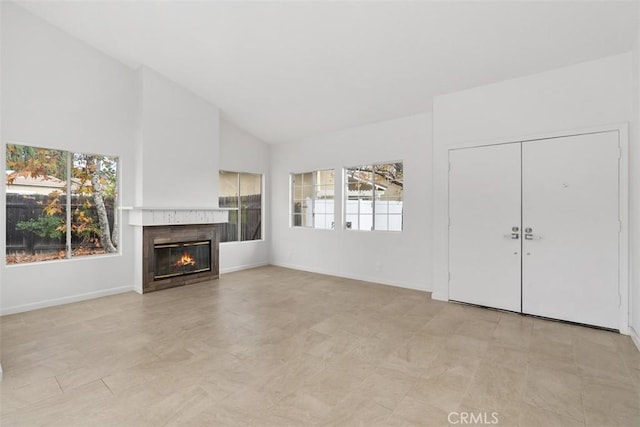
x=21 y=207
x=250 y=219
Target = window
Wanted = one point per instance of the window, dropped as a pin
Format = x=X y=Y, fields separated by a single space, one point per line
x=374 y=197
x=59 y=204
x=312 y=199
x=241 y=194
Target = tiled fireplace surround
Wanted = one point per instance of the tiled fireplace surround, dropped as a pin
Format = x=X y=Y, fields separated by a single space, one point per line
x=168 y=225
x=163 y=234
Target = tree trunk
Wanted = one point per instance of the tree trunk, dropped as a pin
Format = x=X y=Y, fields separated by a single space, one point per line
x=103 y=219
x=115 y=234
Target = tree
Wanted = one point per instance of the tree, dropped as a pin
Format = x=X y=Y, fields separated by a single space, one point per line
x=37 y=162
x=101 y=173
x=388 y=175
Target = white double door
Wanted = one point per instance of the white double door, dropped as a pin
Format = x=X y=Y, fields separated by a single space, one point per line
x=534 y=227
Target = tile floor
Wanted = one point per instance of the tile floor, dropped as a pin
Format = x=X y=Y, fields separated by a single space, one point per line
x=272 y=346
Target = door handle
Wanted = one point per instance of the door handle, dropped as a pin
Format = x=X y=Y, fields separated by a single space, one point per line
x=528 y=234
x=531 y=236
x=514 y=233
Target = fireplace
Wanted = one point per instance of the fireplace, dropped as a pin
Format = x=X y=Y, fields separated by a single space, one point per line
x=176 y=255
x=181 y=258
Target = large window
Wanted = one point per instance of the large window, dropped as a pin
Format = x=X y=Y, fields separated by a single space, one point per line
x=59 y=204
x=241 y=194
x=312 y=199
x=373 y=197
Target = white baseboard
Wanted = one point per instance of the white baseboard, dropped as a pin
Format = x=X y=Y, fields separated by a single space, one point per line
x=439 y=297
x=64 y=300
x=242 y=267
x=635 y=337
x=371 y=279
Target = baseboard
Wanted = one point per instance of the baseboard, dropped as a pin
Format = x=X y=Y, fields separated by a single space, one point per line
x=635 y=337
x=397 y=284
x=64 y=300
x=439 y=297
x=242 y=267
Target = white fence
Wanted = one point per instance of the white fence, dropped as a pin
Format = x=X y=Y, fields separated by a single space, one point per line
x=359 y=214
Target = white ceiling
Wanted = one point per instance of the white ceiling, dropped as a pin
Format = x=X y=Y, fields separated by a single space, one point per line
x=286 y=70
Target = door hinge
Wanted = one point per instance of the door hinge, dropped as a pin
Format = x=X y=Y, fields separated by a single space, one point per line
x=449 y=277
x=449 y=222
x=619 y=226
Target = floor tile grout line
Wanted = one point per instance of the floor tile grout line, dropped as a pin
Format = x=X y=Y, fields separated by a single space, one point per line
x=108 y=388
x=58 y=382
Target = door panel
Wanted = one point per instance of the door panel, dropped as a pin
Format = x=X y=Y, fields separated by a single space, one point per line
x=484 y=204
x=570 y=200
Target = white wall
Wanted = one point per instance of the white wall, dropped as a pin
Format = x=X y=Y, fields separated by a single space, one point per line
x=2 y=194
x=634 y=198
x=580 y=96
x=57 y=92
x=243 y=152
x=179 y=138
x=176 y=151
x=396 y=258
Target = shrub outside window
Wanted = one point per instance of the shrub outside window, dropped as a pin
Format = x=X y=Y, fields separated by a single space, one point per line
x=241 y=194
x=59 y=204
x=373 y=197
x=312 y=203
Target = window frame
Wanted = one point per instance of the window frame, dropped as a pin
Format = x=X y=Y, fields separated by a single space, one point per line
x=239 y=206
x=68 y=250
x=314 y=186
x=345 y=198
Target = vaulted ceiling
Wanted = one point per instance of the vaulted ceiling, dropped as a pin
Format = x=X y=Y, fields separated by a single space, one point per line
x=287 y=70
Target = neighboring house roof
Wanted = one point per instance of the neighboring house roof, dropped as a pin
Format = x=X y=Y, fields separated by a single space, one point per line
x=23 y=180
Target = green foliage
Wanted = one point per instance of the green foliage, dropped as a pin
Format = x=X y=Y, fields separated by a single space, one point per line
x=51 y=226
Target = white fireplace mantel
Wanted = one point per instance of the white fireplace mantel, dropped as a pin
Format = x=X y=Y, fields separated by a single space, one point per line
x=144 y=216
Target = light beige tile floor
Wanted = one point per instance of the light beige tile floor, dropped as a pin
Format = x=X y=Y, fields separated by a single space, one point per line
x=272 y=346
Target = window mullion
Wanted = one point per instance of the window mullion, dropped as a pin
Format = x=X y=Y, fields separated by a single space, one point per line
x=68 y=203
x=314 y=181
x=239 y=211
x=359 y=198
x=373 y=201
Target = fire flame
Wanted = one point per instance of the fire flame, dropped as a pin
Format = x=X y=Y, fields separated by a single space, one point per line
x=185 y=260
